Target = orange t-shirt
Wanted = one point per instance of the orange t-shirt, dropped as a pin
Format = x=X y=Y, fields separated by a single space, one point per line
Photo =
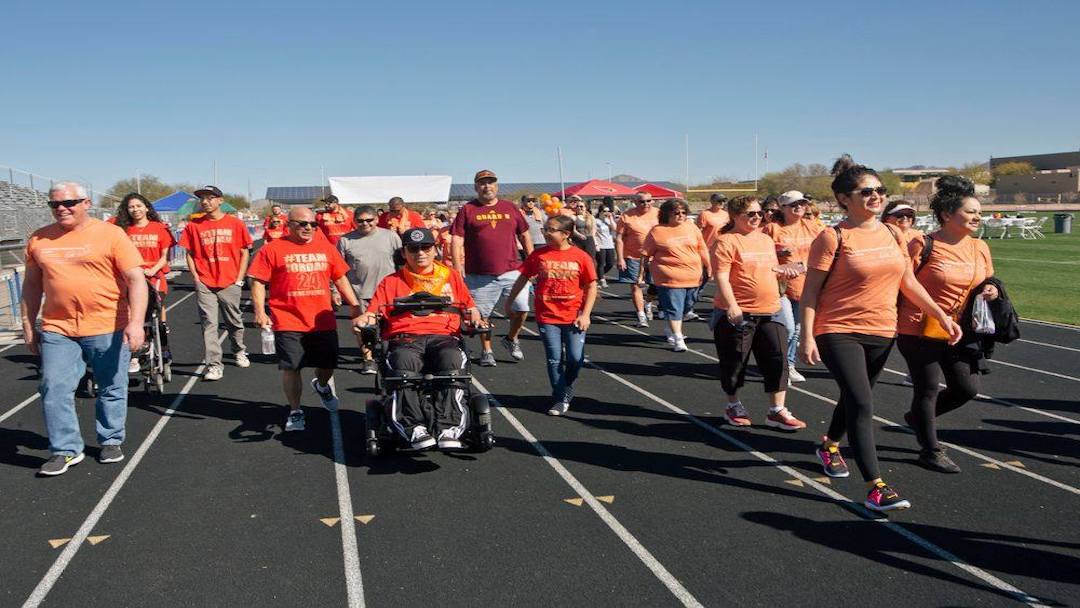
x=394 y=222
x=634 y=226
x=795 y=238
x=711 y=222
x=334 y=225
x=299 y=275
x=859 y=295
x=82 y=276
x=949 y=273
x=438 y=323
x=749 y=260
x=676 y=254
x=562 y=276
x=216 y=247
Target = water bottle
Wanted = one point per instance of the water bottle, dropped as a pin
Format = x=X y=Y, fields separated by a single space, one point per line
x=267 y=341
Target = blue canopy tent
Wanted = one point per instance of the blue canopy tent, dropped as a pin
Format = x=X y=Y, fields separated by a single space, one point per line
x=173 y=202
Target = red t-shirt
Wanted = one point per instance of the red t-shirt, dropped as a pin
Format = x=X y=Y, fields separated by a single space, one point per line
x=334 y=225
x=439 y=323
x=152 y=241
x=299 y=276
x=216 y=245
x=561 y=279
x=272 y=231
x=393 y=222
x=490 y=233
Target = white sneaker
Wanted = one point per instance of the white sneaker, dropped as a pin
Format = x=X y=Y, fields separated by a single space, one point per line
x=649 y=312
x=690 y=316
x=559 y=408
x=421 y=439
x=679 y=345
x=794 y=376
x=134 y=367
x=326 y=394
x=295 y=421
x=214 y=372
x=242 y=359
x=448 y=441
x=642 y=320
x=603 y=282
x=669 y=336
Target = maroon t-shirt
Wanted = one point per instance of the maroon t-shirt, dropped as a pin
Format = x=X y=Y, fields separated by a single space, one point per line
x=490 y=234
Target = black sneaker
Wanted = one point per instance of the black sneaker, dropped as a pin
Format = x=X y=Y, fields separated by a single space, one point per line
x=883 y=498
x=937 y=460
x=421 y=438
x=368 y=368
x=110 y=453
x=59 y=463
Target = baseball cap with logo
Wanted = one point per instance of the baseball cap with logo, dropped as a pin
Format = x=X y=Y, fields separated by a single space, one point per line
x=211 y=191
x=791 y=196
x=417 y=236
x=484 y=174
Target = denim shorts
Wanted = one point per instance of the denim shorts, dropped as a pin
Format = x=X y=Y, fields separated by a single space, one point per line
x=488 y=289
x=676 y=301
x=633 y=268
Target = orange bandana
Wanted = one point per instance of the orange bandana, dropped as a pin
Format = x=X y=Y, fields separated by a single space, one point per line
x=434 y=282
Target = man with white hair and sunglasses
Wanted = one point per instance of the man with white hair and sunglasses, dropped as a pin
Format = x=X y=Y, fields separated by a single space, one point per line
x=95 y=302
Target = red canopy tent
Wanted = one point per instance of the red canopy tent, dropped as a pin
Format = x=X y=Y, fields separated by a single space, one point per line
x=595 y=188
x=658 y=191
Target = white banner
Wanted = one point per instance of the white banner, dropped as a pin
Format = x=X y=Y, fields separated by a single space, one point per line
x=380 y=189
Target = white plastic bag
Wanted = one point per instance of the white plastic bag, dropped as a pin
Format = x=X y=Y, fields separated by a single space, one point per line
x=981 y=317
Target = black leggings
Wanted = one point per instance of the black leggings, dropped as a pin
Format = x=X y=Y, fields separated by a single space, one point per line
x=855 y=361
x=927 y=361
x=760 y=335
x=605 y=261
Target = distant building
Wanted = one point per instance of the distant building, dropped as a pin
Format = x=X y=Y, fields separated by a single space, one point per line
x=1055 y=174
x=1041 y=162
x=308 y=195
x=916 y=174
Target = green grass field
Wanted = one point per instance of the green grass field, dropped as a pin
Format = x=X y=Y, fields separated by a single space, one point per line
x=1043 y=275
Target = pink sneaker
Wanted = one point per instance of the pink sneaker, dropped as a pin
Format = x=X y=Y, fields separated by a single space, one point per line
x=832 y=462
x=736 y=414
x=783 y=419
x=883 y=498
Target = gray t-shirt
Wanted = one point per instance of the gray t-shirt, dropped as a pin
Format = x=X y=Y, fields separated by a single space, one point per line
x=536 y=228
x=370 y=258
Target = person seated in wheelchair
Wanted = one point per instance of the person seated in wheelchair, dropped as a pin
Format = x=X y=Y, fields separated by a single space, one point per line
x=425 y=342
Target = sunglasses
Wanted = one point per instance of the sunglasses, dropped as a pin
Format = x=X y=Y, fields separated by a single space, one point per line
x=680 y=213
x=303 y=225
x=69 y=203
x=866 y=192
x=796 y=204
x=754 y=214
x=906 y=216
x=369 y=220
x=418 y=248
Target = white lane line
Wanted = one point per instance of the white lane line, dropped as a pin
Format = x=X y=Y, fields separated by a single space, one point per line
x=887 y=422
x=1005 y=402
x=1048 y=345
x=1051 y=324
x=354 y=582
x=1034 y=370
x=177 y=303
x=12 y=345
x=14 y=410
x=31 y=398
x=930 y=547
x=658 y=569
x=57 y=569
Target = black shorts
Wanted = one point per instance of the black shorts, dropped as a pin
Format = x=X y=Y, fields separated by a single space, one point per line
x=299 y=349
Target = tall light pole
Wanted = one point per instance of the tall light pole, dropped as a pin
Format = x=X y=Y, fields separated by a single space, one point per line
x=562 y=182
x=755 y=162
x=609 y=171
x=687 y=151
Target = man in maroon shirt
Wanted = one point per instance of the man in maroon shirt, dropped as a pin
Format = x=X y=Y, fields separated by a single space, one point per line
x=484 y=240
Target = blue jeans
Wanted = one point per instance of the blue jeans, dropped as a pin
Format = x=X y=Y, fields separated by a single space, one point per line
x=788 y=315
x=63 y=363
x=563 y=369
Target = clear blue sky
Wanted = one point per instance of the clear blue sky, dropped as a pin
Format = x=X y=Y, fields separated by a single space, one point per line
x=276 y=90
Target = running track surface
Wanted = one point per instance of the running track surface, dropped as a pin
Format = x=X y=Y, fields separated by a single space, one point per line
x=673 y=506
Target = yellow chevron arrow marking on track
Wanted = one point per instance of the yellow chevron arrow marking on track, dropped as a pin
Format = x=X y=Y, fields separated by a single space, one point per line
x=330 y=521
x=794 y=482
x=608 y=499
x=991 y=465
x=824 y=480
x=97 y=539
x=574 y=501
x=56 y=543
x=365 y=519
x=1016 y=463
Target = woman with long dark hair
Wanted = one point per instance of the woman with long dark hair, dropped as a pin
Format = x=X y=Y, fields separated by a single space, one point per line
x=856 y=271
x=138 y=218
x=950 y=264
x=676 y=256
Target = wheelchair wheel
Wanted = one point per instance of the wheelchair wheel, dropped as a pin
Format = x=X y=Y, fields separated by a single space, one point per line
x=481 y=409
x=167 y=372
x=373 y=422
x=159 y=383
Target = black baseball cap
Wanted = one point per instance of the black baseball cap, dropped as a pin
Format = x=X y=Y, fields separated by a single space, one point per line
x=717 y=198
x=417 y=236
x=212 y=191
x=330 y=199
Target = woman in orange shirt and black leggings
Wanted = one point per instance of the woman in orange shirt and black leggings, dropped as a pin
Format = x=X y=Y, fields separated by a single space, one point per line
x=856 y=272
x=954 y=267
